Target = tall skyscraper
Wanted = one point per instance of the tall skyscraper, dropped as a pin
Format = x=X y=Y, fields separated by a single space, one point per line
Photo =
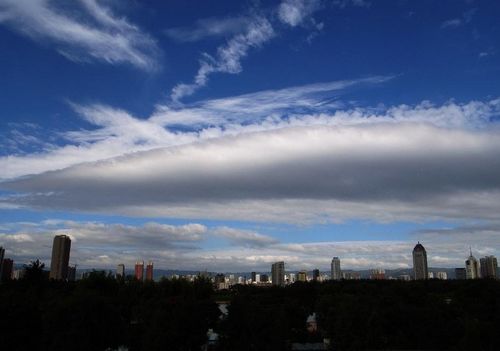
x=278 y=273
x=420 y=270
x=149 y=271
x=471 y=267
x=120 y=271
x=489 y=267
x=336 y=271
x=60 y=257
x=139 y=270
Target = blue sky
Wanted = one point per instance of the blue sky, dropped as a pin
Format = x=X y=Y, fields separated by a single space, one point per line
x=228 y=135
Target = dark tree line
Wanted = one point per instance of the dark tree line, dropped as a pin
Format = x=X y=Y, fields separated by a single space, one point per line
x=367 y=315
x=100 y=313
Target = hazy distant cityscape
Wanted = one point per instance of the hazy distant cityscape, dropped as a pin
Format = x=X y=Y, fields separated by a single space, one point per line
x=485 y=267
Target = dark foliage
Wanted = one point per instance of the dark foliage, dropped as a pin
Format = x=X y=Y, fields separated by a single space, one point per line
x=100 y=312
x=373 y=315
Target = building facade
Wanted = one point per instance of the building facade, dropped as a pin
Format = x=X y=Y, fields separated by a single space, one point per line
x=460 y=274
x=315 y=275
x=472 y=267
x=420 y=269
x=120 y=271
x=149 y=271
x=61 y=248
x=336 y=272
x=302 y=276
x=139 y=270
x=278 y=273
x=489 y=267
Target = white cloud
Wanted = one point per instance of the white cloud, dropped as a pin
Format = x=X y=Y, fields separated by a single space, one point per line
x=102 y=245
x=257 y=31
x=89 y=32
x=208 y=27
x=381 y=171
x=229 y=56
x=245 y=238
x=452 y=23
x=294 y=12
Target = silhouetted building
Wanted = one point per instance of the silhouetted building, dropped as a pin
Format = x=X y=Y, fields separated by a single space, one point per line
x=278 y=273
x=472 y=267
x=335 y=269
x=315 y=275
x=220 y=281
x=264 y=278
x=7 y=267
x=139 y=270
x=460 y=274
x=254 y=275
x=71 y=273
x=120 y=271
x=420 y=270
x=302 y=276
x=149 y=271
x=489 y=267
x=60 y=257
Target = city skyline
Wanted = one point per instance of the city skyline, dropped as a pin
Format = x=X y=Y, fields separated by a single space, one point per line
x=230 y=136
x=486 y=267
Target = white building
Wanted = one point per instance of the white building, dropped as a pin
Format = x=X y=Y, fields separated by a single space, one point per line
x=442 y=275
x=336 y=272
x=472 y=267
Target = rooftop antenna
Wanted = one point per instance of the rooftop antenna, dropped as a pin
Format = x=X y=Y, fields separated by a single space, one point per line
x=470 y=249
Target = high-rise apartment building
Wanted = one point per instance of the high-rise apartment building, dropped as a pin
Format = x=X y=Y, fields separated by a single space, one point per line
x=149 y=271
x=120 y=271
x=420 y=270
x=139 y=270
x=336 y=272
x=489 y=267
x=60 y=257
x=472 y=267
x=278 y=273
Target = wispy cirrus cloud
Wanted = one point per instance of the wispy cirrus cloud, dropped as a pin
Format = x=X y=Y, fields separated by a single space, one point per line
x=228 y=58
x=452 y=23
x=208 y=28
x=90 y=32
x=244 y=238
x=258 y=30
